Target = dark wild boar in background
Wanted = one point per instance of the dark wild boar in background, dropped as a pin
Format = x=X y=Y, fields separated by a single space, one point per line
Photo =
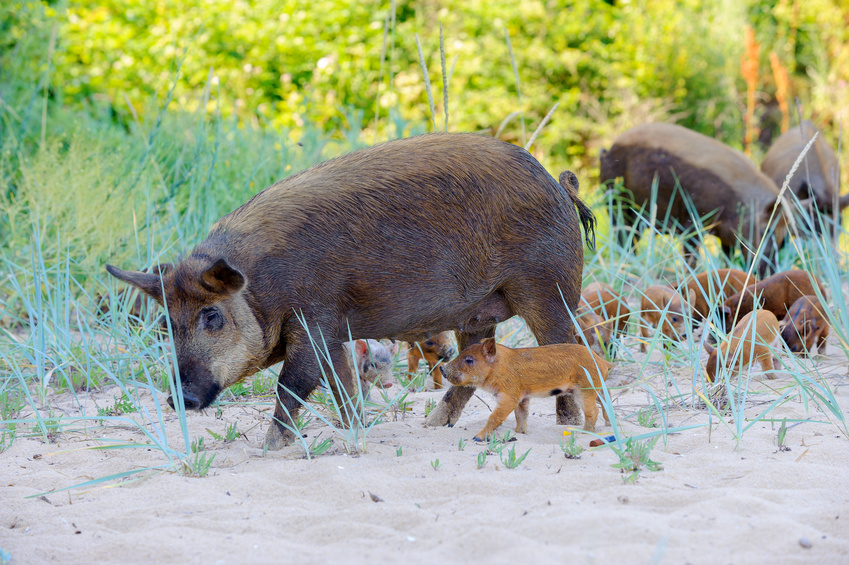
x=721 y=182
x=818 y=177
x=485 y=233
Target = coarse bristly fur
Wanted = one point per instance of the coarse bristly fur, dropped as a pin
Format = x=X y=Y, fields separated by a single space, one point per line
x=712 y=287
x=724 y=186
x=516 y=375
x=805 y=325
x=486 y=234
x=818 y=177
x=776 y=294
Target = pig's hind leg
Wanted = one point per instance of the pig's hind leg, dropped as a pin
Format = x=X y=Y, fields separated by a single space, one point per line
x=550 y=327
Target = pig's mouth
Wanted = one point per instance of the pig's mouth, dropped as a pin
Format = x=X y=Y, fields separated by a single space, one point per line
x=451 y=376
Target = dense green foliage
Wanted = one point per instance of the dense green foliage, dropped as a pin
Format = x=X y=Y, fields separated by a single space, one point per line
x=609 y=64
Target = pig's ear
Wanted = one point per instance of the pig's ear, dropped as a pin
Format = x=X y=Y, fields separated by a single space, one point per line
x=221 y=278
x=709 y=348
x=488 y=348
x=691 y=296
x=360 y=348
x=393 y=349
x=148 y=283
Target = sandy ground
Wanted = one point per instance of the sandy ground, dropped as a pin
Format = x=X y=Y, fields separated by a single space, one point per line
x=712 y=502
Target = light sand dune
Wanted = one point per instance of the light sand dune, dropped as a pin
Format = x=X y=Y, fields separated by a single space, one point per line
x=711 y=503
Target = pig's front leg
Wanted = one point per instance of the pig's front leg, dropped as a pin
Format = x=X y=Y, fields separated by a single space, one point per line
x=448 y=411
x=298 y=378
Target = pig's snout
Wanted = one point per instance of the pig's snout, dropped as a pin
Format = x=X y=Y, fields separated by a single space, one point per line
x=190 y=401
x=447 y=353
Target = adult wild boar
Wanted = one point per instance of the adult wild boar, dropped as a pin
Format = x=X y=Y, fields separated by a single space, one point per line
x=818 y=176
x=468 y=229
x=724 y=186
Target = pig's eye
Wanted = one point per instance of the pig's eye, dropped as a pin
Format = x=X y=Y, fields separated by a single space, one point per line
x=212 y=319
x=469 y=361
x=675 y=319
x=429 y=343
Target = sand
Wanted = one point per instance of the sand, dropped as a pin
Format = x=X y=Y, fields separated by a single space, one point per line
x=714 y=500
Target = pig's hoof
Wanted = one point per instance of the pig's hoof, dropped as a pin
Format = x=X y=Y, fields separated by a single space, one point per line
x=276 y=438
x=476 y=438
x=439 y=416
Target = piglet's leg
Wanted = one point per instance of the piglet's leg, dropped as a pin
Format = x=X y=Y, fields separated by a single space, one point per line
x=413 y=358
x=448 y=411
x=506 y=404
x=522 y=416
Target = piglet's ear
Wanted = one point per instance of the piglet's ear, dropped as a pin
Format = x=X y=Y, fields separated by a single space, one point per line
x=148 y=283
x=221 y=278
x=488 y=347
x=360 y=348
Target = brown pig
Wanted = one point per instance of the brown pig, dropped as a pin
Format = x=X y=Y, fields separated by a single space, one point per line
x=776 y=294
x=746 y=345
x=818 y=175
x=711 y=288
x=805 y=325
x=732 y=196
x=606 y=302
x=663 y=306
x=515 y=375
x=435 y=350
x=487 y=234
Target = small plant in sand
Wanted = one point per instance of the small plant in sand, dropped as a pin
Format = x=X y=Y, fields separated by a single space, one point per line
x=634 y=457
x=482 y=459
x=511 y=461
x=496 y=444
x=122 y=405
x=461 y=445
x=197 y=465
x=320 y=447
x=571 y=449
x=301 y=422
x=647 y=417
x=231 y=433
x=435 y=464
x=49 y=429
x=782 y=436
x=430 y=404
x=399 y=452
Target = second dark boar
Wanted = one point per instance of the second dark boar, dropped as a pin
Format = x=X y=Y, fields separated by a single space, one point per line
x=468 y=229
x=818 y=176
x=722 y=183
